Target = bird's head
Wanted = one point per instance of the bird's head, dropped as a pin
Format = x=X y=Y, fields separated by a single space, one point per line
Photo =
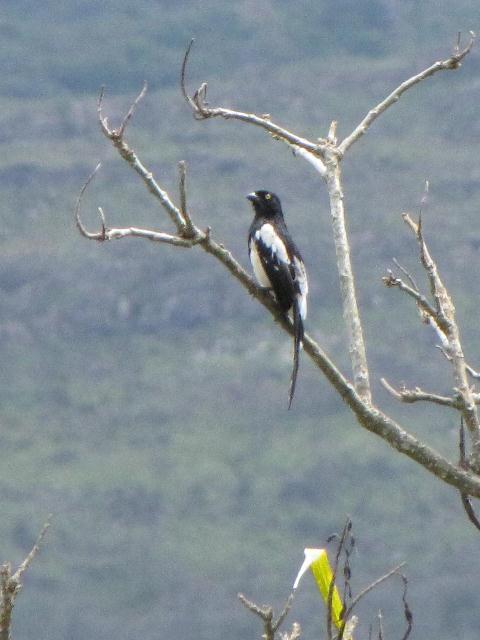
x=265 y=203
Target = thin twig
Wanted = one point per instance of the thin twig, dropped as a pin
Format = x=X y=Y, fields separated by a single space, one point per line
x=406 y=273
x=332 y=133
x=265 y=613
x=450 y=63
x=391 y=281
x=371 y=586
x=283 y=614
x=117 y=139
x=380 y=625
x=406 y=609
x=34 y=551
x=115 y=234
x=437 y=288
x=410 y=396
x=11 y=585
x=470 y=511
x=331 y=587
x=80 y=226
x=183 y=75
x=131 y=111
x=471 y=371
x=270 y=627
x=262 y=612
x=202 y=111
x=189 y=231
x=446 y=320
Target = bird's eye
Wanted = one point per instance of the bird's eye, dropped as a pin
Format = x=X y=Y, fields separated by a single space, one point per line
x=268 y=196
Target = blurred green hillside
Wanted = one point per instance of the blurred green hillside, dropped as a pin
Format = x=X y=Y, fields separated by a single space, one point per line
x=143 y=394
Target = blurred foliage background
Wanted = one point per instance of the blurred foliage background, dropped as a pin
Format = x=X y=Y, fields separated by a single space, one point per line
x=143 y=394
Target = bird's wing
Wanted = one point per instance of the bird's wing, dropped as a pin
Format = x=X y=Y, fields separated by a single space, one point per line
x=272 y=265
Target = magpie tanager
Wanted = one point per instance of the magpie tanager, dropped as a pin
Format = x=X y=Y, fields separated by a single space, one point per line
x=278 y=266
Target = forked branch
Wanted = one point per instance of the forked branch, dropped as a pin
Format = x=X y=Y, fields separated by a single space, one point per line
x=409 y=396
x=265 y=613
x=116 y=136
x=202 y=111
x=453 y=62
x=441 y=315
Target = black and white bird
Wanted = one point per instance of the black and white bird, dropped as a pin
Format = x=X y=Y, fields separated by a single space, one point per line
x=278 y=265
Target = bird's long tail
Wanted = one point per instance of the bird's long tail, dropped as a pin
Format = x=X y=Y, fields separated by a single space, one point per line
x=298 y=338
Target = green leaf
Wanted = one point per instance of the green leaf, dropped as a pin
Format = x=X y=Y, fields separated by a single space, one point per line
x=317 y=561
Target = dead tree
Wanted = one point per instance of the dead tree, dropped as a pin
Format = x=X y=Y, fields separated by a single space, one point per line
x=436 y=308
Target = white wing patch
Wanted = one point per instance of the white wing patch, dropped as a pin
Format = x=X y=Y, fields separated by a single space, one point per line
x=270 y=239
x=301 y=279
x=257 y=266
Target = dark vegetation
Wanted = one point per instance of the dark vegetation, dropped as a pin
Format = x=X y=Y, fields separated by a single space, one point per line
x=143 y=394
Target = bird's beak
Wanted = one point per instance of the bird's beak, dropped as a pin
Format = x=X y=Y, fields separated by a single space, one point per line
x=252 y=197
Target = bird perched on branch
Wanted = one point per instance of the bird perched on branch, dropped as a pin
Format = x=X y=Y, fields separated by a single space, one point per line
x=278 y=266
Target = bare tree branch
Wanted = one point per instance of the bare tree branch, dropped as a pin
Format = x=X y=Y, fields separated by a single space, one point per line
x=284 y=613
x=116 y=137
x=472 y=372
x=183 y=87
x=445 y=318
x=369 y=417
x=34 y=551
x=377 y=422
x=189 y=231
x=444 y=350
x=331 y=587
x=372 y=586
x=329 y=169
x=202 y=111
x=391 y=281
x=406 y=609
x=114 y=234
x=470 y=511
x=11 y=585
x=314 y=160
x=406 y=273
x=418 y=395
x=346 y=543
x=466 y=502
x=453 y=62
x=91 y=236
x=357 y=395
x=265 y=613
x=351 y=314
x=119 y=132
x=380 y=625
